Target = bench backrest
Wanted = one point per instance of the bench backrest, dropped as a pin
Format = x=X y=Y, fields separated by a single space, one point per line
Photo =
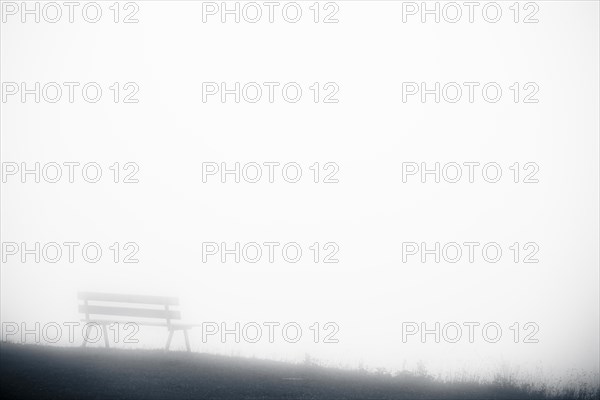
x=110 y=305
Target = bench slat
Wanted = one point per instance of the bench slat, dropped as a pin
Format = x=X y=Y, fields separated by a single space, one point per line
x=129 y=312
x=101 y=321
x=173 y=326
x=128 y=298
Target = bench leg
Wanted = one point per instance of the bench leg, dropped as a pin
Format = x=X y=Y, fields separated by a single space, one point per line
x=169 y=340
x=86 y=336
x=105 y=333
x=187 y=340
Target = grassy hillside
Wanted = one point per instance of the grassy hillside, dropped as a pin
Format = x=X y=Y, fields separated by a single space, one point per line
x=42 y=372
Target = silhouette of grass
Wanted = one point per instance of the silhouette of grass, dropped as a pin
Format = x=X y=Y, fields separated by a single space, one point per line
x=43 y=372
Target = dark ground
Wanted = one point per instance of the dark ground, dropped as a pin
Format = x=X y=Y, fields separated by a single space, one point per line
x=41 y=372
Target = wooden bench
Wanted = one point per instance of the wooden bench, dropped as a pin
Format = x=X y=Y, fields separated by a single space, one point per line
x=104 y=308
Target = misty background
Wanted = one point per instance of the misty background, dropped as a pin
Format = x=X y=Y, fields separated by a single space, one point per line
x=369 y=213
